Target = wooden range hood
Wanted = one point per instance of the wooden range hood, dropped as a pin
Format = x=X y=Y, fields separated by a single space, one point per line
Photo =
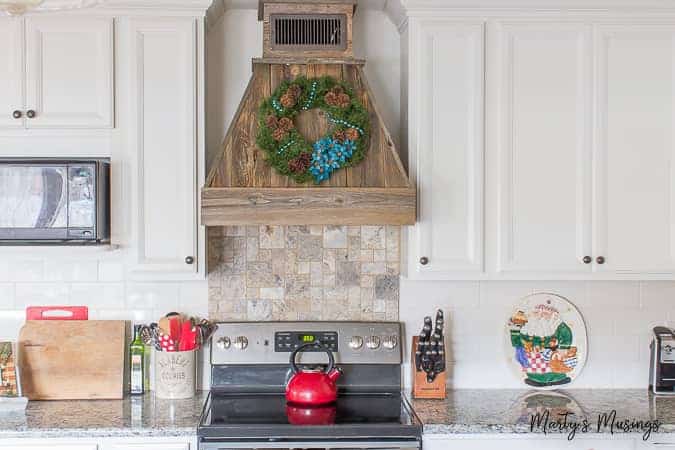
x=241 y=189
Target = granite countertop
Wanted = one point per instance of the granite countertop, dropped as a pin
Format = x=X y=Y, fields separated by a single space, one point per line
x=469 y=411
x=134 y=416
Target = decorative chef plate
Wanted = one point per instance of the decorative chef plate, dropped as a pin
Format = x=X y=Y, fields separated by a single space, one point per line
x=547 y=341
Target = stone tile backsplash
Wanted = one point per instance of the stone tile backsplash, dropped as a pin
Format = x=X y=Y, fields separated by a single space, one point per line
x=304 y=272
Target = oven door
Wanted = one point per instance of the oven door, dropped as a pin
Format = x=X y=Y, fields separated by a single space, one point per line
x=312 y=445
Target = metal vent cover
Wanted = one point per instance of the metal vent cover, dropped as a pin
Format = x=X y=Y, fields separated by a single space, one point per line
x=309 y=31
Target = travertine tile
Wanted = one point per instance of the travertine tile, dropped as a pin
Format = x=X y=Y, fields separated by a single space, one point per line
x=334 y=236
x=303 y=272
x=373 y=237
x=272 y=236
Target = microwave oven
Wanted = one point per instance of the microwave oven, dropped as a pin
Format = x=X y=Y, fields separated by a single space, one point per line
x=54 y=201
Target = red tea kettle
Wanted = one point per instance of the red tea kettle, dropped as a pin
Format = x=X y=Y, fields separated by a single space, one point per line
x=312 y=387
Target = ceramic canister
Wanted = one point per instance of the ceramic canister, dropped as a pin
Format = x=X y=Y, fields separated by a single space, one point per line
x=175 y=374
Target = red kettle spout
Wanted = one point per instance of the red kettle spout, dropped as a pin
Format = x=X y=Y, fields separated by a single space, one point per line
x=334 y=374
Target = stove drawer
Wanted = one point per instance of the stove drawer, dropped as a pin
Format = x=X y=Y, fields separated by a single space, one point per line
x=315 y=445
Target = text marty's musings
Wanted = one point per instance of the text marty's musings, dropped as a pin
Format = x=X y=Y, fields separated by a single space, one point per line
x=607 y=422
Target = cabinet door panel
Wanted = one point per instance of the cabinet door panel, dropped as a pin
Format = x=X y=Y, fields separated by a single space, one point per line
x=69 y=72
x=165 y=89
x=543 y=142
x=446 y=138
x=150 y=446
x=635 y=181
x=11 y=71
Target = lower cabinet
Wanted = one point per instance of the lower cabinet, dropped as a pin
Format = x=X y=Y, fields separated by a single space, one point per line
x=527 y=442
x=132 y=443
x=43 y=446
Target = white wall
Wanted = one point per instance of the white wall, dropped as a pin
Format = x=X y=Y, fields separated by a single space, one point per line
x=619 y=318
x=237 y=38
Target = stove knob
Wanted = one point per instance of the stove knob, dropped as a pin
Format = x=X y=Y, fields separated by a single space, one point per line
x=390 y=342
x=240 y=342
x=373 y=342
x=224 y=343
x=668 y=348
x=356 y=342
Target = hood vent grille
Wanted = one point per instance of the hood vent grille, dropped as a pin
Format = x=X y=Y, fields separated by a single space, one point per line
x=308 y=32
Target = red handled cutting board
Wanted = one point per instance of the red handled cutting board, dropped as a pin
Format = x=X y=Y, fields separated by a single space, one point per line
x=72 y=359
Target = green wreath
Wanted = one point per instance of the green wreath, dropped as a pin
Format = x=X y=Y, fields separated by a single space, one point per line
x=288 y=151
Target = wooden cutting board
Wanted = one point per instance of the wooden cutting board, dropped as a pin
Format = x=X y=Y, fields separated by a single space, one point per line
x=72 y=360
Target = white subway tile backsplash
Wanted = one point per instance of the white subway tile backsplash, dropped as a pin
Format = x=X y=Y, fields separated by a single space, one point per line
x=11 y=323
x=102 y=295
x=613 y=294
x=655 y=294
x=25 y=270
x=6 y=296
x=110 y=271
x=619 y=317
x=34 y=294
x=59 y=270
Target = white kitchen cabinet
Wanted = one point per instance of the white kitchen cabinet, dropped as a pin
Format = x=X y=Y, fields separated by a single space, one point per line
x=165 y=144
x=542 y=145
x=11 y=72
x=61 y=445
x=57 y=72
x=121 y=443
x=150 y=446
x=69 y=72
x=527 y=442
x=635 y=146
x=446 y=148
x=576 y=179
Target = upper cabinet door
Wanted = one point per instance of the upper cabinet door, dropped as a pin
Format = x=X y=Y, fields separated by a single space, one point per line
x=541 y=147
x=69 y=66
x=446 y=148
x=635 y=182
x=11 y=72
x=164 y=71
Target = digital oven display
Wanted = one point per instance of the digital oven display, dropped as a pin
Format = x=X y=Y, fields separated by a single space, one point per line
x=287 y=341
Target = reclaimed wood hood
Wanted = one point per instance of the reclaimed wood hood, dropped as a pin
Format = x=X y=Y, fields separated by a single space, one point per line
x=242 y=189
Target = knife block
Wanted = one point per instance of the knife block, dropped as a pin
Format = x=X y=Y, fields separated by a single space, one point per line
x=421 y=388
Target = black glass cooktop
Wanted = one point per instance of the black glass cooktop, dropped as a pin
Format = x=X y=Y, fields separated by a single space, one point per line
x=270 y=416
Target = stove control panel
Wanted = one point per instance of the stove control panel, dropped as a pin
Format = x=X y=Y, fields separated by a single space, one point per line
x=287 y=341
x=271 y=342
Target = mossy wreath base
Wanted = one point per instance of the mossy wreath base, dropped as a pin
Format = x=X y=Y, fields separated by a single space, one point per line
x=345 y=144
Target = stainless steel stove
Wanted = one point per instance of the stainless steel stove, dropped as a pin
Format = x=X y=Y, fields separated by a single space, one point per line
x=246 y=408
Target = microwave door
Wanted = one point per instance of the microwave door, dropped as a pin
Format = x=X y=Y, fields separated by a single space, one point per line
x=34 y=202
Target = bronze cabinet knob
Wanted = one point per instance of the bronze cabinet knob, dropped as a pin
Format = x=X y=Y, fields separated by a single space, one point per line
x=30 y=114
x=424 y=260
x=17 y=114
x=600 y=260
x=587 y=260
x=189 y=260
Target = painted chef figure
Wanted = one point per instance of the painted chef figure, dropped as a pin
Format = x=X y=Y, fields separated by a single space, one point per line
x=543 y=344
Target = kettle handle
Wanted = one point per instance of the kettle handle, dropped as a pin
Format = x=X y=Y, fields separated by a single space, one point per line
x=331 y=358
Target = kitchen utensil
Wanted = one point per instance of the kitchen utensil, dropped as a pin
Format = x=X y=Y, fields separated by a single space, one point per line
x=72 y=359
x=312 y=387
x=189 y=337
x=166 y=343
x=164 y=325
x=175 y=326
x=57 y=313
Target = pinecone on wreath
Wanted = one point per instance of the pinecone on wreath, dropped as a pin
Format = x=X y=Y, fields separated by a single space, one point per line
x=351 y=134
x=301 y=163
x=337 y=97
x=285 y=124
x=279 y=134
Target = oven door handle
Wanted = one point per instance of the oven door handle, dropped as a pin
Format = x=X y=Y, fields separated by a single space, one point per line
x=371 y=445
